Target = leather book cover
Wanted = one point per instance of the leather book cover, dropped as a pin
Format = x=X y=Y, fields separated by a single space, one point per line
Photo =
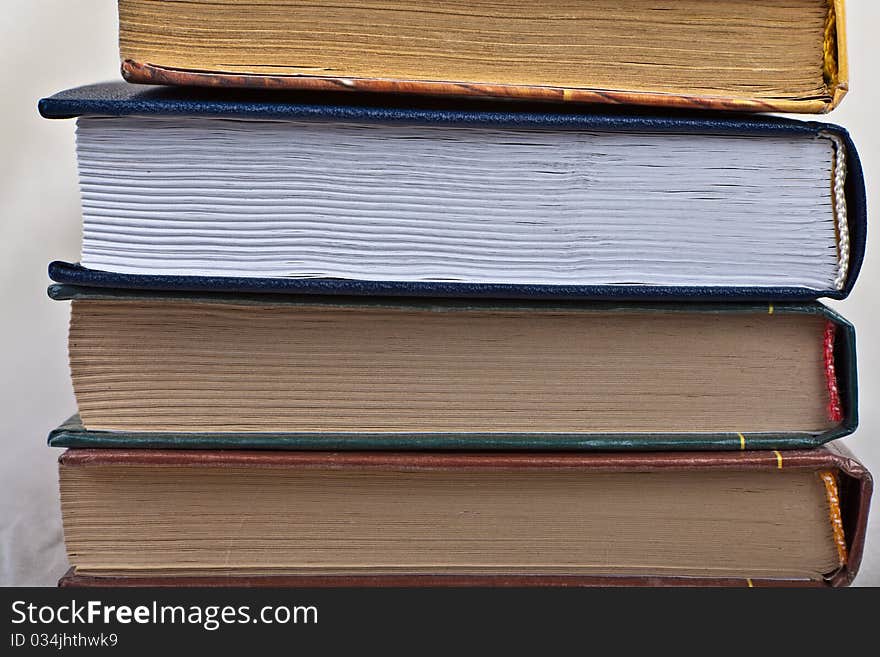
x=839 y=350
x=120 y=99
x=835 y=72
x=852 y=493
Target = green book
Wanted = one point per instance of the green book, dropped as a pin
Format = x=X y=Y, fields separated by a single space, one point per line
x=209 y=371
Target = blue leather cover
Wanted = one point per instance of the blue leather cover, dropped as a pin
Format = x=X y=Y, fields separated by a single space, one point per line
x=123 y=99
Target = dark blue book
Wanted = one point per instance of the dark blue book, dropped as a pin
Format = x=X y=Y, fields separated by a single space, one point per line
x=201 y=190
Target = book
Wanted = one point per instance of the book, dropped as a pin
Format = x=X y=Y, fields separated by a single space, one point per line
x=154 y=517
x=305 y=372
x=772 y=55
x=194 y=190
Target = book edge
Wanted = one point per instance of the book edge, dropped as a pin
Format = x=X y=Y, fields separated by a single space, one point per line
x=73 y=579
x=146 y=73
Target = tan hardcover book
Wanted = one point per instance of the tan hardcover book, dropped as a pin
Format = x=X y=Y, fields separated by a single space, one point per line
x=772 y=55
x=396 y=370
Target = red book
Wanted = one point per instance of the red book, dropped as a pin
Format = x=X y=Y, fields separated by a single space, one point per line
x=224 y=518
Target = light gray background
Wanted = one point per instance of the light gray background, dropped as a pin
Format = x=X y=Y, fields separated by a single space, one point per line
x=48 y=45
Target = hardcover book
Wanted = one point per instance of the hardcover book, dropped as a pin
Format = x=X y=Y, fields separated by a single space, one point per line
x=195 y=190
x=173 y=369
x=770 y=55
x=168 y=518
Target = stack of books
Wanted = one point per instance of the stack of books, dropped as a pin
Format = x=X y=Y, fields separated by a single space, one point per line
x=486 y=293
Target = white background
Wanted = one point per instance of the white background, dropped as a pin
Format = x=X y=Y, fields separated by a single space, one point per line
x=49 y=45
